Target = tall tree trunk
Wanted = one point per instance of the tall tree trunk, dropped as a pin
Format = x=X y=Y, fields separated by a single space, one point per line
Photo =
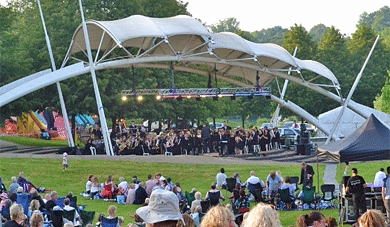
x=214 y=126
x=73 y=127
x=243 y=121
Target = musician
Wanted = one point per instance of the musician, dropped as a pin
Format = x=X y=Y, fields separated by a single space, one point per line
x=253 y=138
x=276 y=137
x=223 y=142
x=187 y=142
x=206 y=138
x=197 y=142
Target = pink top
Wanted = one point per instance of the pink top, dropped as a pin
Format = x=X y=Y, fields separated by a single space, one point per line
x=149 y=185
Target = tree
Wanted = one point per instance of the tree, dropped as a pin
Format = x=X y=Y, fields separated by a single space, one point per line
x=230 y=24
x=382 y=102
x=297 y=36
x=317 y=32
x=270 y=35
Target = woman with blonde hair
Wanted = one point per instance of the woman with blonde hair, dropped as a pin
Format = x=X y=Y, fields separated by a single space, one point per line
x=131 y=194
x=34 y=206
x=36 y=220
x=372 y=218
x=217 y=216
x=17 y=216
x=95 y=188
x=196 y=202
x=262 y=216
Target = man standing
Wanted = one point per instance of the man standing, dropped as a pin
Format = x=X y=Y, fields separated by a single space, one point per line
x=355 y=186
x=386 y=194
x=307 y=173
x=379 y=176
x=221 y=178
x=205 y=132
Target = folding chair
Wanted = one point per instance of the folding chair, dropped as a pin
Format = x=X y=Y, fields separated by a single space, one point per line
x=286 y=197
x=205 y=205
x=6 y=213
x=56 y=217
x=60 y=202
x=328 y=192
x=93 y=150
x=256 y=149
x=73 y=201
x=295 y=180
x=143 y=151
x=310 y=196
x=190 y=198
x=166 y=152
x=24 y=200
x=214 y=198
x=109 y=222
x=230 y=184
x=69 y=214
x=86 y=217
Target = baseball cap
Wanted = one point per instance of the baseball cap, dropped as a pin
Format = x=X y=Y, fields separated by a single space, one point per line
x=163 y=206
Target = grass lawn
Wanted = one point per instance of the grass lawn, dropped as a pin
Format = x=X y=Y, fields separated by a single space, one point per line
x=27 y=141
x=48 y=173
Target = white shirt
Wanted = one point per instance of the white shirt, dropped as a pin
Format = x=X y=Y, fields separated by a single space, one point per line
x=253 y=180
x=124 y=185
x=221 y=179
x=88 y=185
x=379 y=176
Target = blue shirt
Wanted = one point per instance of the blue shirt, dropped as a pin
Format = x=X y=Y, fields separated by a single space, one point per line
x=272 y=183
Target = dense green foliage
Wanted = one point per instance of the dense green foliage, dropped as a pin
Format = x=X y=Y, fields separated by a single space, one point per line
x=23 y=52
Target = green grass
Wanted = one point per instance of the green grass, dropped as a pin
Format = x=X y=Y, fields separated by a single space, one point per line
x=27 y=141
x=48 y=173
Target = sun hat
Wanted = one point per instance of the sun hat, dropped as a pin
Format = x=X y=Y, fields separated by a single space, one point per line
x=163 y=206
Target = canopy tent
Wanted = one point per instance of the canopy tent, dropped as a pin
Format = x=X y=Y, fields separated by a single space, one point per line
x=369 y=142
x=350 y=121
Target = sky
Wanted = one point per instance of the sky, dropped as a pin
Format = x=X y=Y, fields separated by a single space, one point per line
x=257 y=14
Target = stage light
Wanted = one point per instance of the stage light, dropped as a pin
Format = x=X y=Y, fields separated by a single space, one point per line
x=233 y=98
x=140 y=98
x=215 y=98
x=179 y=98
x=124 y=98
x=158 y=97
x=189 y=96
x=220 y=95
x=198 y=99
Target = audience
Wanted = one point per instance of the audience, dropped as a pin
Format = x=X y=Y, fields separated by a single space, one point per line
x=314 y=218
x=140 y=194
x=17 y=216
x=196 y=202
x=14 y=186
x=36 y=220
x=217 y=216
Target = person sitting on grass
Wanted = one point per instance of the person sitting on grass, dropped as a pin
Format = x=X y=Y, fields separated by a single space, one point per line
x=291 y=187
x=140 y=194
x=196 y=202
x=67 y=207
x=131 y=194
x=372 y=218
x=26 y=185
x=217 y=216
x=14 y=186
x=51 y=203
x=195 y=215
x=314 y=218
x=95 y=188
x=100 y=220
x=34 y=195
x=109 y=188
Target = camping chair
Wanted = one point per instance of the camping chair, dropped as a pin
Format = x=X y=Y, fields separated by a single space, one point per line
x=310 y=196
x=190 y=197
x=205 y=204
x=166 y=152
x=258 y=196
x=73 y=201
x=109 y=222
x=214 y=198
x=295 y=180
x=286 y=198
x=69 y=214
x=328 y=192
x=60 y=202
x=56 y=217
x=6 y=213
x=24 y=200
x=86 y=217
x=230 y=184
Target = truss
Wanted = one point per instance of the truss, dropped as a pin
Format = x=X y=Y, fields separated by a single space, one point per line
x=240 y=91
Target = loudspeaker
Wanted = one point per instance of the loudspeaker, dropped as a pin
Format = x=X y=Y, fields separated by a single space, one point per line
x=304 y=149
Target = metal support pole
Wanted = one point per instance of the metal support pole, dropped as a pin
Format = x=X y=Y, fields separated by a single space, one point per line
x=276 y=114
x=53 y=65
x=172 y=75
x=351 y=93
x=135 y=94
x=106 y=136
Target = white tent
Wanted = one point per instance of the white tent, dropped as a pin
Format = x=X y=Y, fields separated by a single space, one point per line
x=350 y=120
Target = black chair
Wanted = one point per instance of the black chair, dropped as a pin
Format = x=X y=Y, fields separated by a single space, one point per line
x=109 y=222
x=73 y=202
x=214 y=198
x=205 y=204
x=286 y=198
x=56 y=217
x=328 y=192
x=230 y=185
x=69 y=214
x=295 y=180
x=253 y=187
x=86 y=217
